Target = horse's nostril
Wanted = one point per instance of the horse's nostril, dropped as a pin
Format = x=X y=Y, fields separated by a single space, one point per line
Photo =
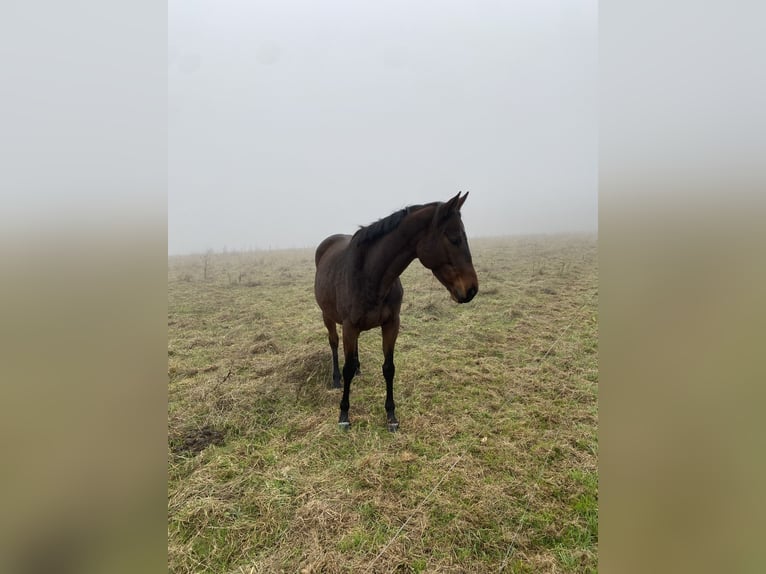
x=470 y=293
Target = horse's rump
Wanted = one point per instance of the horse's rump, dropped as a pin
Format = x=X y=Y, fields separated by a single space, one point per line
x=332 y=241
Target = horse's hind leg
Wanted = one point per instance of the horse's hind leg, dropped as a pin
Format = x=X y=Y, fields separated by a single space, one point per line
x=390 y=332
x=350 y=340
x=332 y=332
x=356 y=358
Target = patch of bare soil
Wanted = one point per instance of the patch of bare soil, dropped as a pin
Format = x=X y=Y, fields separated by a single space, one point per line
x=196 y=440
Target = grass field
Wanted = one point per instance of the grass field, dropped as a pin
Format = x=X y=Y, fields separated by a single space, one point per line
x=494 y=467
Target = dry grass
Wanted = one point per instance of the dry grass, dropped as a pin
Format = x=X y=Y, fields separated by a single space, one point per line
x=494 y=468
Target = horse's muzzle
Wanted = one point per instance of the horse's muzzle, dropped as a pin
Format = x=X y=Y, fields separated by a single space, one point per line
x=462 y=287
x=466 y=296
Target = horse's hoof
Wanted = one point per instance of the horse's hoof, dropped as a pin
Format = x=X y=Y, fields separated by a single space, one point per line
x=336 y=385
x=344 y=425
x=393 y=427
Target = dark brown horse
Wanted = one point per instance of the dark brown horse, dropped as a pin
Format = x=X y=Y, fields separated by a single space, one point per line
x=357 y=281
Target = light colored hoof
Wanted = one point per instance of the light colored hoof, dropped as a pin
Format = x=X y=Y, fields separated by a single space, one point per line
x=344 y=426
x=393 y=427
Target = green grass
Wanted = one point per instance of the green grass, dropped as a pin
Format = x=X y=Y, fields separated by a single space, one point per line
x=495 y=463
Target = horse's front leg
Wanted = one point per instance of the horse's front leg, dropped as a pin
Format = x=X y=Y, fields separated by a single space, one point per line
x=390 y=332
x=350 y=341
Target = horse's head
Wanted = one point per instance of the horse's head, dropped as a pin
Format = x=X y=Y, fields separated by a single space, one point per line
x=444 y=250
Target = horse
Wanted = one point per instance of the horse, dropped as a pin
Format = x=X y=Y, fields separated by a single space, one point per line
x=357 y=282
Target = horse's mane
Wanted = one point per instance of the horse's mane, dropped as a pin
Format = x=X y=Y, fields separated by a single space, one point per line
x=384 y=226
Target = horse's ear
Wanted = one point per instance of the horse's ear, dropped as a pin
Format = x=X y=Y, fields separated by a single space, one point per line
x=452 y=204
x=456 y=202
x=450 y=207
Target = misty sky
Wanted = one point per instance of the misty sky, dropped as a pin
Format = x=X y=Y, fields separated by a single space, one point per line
x=293 y=120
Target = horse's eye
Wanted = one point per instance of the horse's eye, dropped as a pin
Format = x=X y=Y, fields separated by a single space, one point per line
x=454 y=240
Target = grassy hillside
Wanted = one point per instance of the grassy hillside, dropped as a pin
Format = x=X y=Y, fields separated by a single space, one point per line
x=494 y=467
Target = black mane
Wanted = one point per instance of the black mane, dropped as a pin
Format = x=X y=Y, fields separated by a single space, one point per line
x=383 y=226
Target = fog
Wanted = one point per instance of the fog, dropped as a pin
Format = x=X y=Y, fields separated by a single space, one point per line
x=292 y=120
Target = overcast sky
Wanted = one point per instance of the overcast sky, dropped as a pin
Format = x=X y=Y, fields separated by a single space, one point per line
x=293 y=120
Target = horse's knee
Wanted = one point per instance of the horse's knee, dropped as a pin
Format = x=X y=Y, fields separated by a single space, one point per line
x=389 y=370
x=349 y=369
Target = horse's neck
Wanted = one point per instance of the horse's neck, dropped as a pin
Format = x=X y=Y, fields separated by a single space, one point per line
x=391 y=254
